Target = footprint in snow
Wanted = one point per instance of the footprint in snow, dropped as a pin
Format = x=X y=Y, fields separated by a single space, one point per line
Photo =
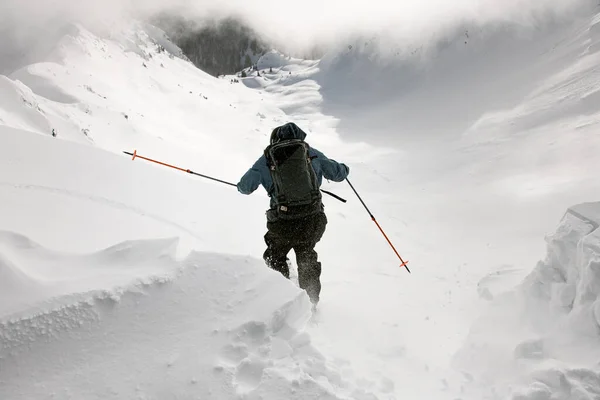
x=249 y=374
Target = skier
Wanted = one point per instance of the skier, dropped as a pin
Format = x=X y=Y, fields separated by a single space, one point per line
x=291 y=172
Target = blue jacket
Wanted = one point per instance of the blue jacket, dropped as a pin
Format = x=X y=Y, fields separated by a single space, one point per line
x=259 y=174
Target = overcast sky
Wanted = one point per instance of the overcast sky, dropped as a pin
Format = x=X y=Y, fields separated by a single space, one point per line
x=299 y=22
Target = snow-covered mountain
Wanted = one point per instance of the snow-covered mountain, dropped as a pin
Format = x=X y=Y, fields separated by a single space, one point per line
x=216 y=46
x=124 y=279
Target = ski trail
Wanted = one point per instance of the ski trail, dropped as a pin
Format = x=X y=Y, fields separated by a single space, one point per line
x=99 y=200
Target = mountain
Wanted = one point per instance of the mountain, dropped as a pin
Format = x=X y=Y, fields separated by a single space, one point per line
x=218 y=47
x=123 y=278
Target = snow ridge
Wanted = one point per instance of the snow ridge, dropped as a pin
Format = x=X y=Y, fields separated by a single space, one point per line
x=545 y=335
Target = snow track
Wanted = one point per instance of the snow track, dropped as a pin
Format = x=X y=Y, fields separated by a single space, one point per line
x=99 y=200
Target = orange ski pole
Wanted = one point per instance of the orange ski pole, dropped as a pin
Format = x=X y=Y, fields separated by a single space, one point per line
x=404 y=263
x=136 y=155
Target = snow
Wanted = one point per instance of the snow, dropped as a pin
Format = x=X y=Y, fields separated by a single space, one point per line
x=215 y=328
x=125 y=279
x=545 y=332
x=216 y=324
x=116 y=235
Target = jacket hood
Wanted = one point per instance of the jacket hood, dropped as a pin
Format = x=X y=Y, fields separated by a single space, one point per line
x=287 y=132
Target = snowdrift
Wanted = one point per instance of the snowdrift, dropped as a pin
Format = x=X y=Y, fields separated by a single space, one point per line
x=214 y=326
x=568 y=281
x=542 y=340
x=33 y=274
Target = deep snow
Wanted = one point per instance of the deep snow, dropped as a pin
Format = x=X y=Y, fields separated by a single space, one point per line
x=546 y=331
x=467 y=205
x=102 y=325
x=214 y=327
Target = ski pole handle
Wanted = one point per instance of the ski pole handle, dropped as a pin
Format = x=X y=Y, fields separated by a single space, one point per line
x=335 y=196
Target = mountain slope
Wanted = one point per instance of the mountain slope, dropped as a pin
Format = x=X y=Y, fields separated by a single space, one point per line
x=219 y=47
x=468 y=211
x=140 y=318
x=117 y=216
x=471 y=186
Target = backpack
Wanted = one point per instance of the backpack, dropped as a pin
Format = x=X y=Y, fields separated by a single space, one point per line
x=295 y=190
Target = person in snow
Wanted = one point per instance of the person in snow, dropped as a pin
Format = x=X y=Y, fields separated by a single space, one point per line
x=292 y=172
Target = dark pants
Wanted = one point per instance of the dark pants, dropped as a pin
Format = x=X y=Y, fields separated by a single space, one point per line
x=301 y=235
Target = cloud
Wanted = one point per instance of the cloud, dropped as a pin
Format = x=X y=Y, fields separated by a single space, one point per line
x=297 y=23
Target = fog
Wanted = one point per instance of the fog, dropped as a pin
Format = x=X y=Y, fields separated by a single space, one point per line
x=298 y=24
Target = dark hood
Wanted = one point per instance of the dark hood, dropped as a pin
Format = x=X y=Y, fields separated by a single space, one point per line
x=287 y=132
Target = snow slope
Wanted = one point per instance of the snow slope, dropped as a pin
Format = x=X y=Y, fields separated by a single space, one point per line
x=136 y=320
x=488 y=142
x=543 y=337
x=83 y=200
x=535 y=158
x=107 y=228
x=467 y=205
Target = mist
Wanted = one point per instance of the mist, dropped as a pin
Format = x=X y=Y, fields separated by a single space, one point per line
x=300 y=25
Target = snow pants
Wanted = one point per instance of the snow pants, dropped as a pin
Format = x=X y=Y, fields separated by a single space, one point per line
x=302 y=235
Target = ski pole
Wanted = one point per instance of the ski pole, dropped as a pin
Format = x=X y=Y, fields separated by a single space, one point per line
x=335 y=196
x=404 y=263
x=189 y=171
x=136 y=155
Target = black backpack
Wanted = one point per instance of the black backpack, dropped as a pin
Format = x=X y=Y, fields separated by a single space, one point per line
x=295 y=190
